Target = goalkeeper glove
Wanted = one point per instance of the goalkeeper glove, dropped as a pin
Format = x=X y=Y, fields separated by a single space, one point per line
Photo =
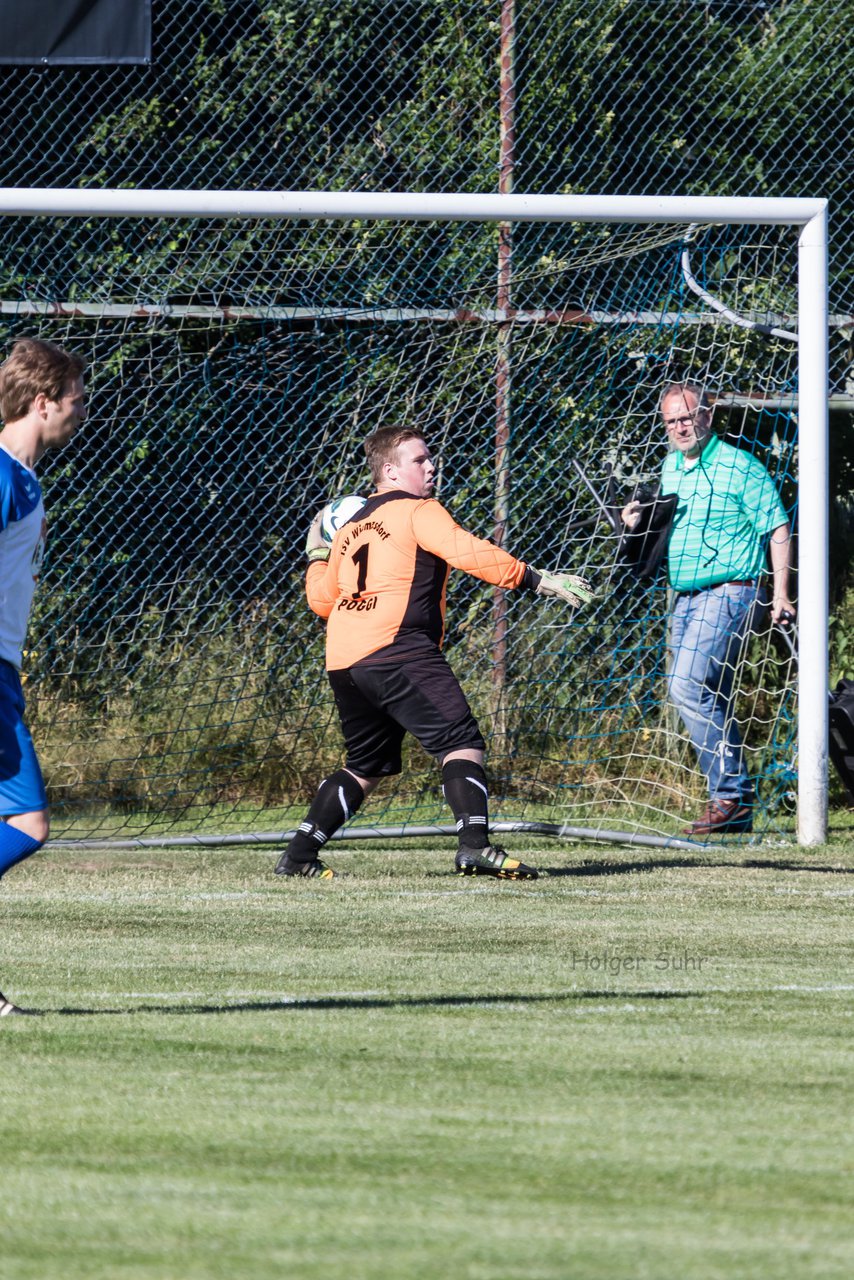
x=315 y=546
x=568 y=586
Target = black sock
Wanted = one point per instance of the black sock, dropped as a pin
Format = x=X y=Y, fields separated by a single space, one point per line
x=466 y=791
x=338 y=797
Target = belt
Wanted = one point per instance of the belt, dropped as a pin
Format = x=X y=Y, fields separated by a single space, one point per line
x=732 y=582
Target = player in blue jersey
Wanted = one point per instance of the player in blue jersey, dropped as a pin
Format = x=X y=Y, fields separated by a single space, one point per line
x=42 y=405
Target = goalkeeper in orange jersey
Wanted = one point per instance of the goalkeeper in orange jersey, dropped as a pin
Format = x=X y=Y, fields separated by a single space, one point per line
x=381 y=587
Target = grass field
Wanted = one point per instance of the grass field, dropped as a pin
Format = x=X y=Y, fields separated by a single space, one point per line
x=639 y=1066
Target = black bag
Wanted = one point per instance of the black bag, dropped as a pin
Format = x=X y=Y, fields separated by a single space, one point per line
x=645 y=546
x=841 y=736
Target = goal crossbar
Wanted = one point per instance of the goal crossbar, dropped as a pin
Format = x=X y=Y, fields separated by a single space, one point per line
x=407 y=206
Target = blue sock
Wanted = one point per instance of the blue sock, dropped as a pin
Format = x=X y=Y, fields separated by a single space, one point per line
x=15 y=845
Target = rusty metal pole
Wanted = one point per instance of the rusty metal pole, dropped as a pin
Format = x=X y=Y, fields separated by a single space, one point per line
x=503 y=387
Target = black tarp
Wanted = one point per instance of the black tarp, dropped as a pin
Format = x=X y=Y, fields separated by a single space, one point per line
x=74 y=32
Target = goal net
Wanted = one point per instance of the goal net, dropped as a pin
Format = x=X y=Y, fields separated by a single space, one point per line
x=238 y=358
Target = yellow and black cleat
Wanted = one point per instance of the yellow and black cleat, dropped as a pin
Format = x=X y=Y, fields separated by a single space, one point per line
x=314 y=870
x=494 y=862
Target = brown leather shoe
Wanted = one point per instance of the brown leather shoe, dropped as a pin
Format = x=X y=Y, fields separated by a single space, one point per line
x=722 y=816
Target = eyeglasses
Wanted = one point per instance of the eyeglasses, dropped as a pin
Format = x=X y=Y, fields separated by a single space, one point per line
x=685 y=419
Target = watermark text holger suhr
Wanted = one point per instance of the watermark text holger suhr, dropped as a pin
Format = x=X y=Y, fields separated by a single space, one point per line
x=617 y=962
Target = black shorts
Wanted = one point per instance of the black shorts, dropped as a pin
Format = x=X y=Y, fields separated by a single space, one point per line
x=378 y=705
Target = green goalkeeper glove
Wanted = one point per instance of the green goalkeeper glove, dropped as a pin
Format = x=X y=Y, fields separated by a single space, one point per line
x=567 y=586
x=315 y=547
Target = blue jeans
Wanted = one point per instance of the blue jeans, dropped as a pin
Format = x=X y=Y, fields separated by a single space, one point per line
x=707 y=630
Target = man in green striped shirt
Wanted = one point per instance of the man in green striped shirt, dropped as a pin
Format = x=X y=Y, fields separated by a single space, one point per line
x=729 y=522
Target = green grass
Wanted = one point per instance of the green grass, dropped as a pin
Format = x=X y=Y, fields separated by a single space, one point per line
x=639 y=1066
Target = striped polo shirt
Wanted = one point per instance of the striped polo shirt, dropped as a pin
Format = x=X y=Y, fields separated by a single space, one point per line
x=727 y=506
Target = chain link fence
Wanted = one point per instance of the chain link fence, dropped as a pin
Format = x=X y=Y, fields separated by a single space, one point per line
x=731 y=97
x=174 y=677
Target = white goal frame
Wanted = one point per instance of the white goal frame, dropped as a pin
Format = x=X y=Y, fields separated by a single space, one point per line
x=810 y=215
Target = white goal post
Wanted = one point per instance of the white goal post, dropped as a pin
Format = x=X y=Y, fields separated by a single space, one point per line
x=809 y=215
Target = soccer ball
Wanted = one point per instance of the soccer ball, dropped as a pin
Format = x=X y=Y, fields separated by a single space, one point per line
x=338 y=512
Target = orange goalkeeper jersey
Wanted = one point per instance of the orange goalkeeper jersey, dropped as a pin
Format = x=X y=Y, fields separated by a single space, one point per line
x=383 y=587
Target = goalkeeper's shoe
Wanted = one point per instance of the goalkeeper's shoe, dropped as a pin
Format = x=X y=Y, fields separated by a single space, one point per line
x=492 y=861
x=312 y=870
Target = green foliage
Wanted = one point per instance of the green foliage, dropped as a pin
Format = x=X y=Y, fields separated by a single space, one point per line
x=842 y=639
x=142 y=644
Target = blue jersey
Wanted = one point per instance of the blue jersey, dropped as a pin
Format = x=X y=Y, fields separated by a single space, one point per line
x=22 y=539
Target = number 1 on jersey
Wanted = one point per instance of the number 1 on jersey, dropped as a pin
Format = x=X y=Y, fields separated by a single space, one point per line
x=360 y=559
